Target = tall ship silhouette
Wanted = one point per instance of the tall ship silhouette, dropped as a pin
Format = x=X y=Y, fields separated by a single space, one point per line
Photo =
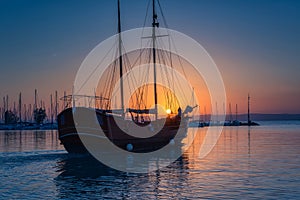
x=152 y=108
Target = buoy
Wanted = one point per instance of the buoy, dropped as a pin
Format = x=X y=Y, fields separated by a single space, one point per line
x=151 y=128
x=172 y=142
x=129 y=147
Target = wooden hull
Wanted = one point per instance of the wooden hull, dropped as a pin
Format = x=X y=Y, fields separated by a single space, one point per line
x=88 y=129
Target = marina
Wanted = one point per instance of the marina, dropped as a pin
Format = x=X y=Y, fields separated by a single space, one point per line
x=26 y=120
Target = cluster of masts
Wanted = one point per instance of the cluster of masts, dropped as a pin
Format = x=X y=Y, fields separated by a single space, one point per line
x=12 y=112
x=227 y=118
x=40 y=112
x=230 y=116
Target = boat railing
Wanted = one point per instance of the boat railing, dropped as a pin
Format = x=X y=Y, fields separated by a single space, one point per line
x=83 y=101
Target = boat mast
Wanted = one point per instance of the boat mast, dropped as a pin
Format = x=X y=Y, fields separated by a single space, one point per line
x=51 y=109
x=230 y=113
x=236 y=112
x=35 y=99
x=56 y=104
x=20 y=107
x=249 y=121
x=120 y=59
x=154 y=24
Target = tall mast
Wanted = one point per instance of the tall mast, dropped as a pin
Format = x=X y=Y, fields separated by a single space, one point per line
x=154 y=24
x=25 y=113
x=56 y=106
x=65 y=96
x=4 y=108
x=35 y=99
x=230 y=113
x=51 y=109
x=20 y=107
x=30 y=112
x=204 y=113
x=7 y=105
x=249 y=121
x=236 y=111
x=120 y=59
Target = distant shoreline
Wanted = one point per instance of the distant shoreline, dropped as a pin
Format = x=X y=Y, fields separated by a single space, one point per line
x=258 y=117
x=241 y=117
x=31 y=126
x=269 y=117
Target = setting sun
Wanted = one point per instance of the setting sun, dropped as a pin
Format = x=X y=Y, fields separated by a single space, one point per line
x=168 y=111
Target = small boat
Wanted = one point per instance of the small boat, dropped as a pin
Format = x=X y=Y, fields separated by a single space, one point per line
x=160 y=130
x=196 y=123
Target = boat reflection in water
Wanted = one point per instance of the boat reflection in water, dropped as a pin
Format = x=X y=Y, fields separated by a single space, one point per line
x=85 y=177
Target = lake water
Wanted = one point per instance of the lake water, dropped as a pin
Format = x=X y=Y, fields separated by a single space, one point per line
x=258 y=163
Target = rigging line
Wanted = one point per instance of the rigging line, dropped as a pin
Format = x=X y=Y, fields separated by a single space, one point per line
x=179 y=58
x=180 y=63
x=170 y=58
x=171 y=63
x=172 y=40
x=146 y=13
x=110 y=90
x=165 y=71
x=160 y=60
x=128 y=60
x=144 y=88
x=131 y=79
x=164 y=50
x=106 y=92
x=110 y=76
x=139 y=92
x=93 y=71
x=131 y=76
x=143 y=51
x=162 y=14
x=139 y=57
x=127 y=66
x=135 y=82
x=140 y=95
x=144 y=24
x=161 y=57
x=140 y=60
x=181 y=90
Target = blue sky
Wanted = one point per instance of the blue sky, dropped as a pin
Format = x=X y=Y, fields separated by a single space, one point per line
x=256 y=44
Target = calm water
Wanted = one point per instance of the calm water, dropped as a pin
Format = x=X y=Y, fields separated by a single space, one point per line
x=261 y=162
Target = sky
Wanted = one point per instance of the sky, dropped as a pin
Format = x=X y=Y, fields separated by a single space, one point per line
x=255 y=44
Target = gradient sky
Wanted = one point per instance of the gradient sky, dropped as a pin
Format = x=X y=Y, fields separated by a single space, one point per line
x=255 y=44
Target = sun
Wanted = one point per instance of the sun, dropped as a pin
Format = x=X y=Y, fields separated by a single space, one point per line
x=168 y=111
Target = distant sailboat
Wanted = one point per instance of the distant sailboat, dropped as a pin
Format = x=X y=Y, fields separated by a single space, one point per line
x=249 y=122
x=236 y=122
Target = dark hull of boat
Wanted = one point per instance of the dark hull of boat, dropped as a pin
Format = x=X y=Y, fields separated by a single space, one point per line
x=88 y=130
